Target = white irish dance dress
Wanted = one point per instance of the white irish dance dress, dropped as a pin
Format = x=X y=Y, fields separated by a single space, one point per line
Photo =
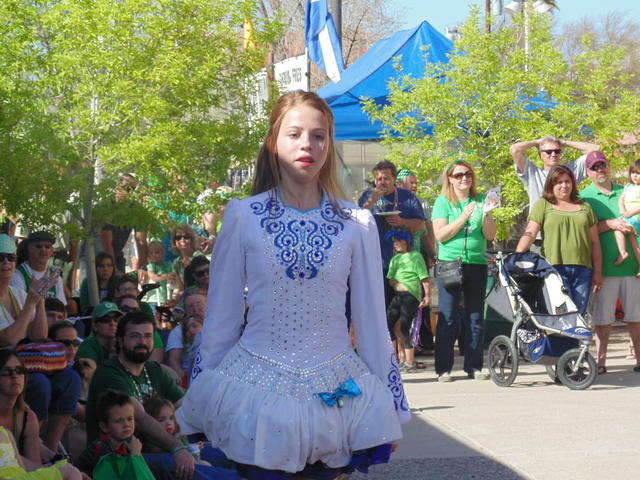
x=285 y=389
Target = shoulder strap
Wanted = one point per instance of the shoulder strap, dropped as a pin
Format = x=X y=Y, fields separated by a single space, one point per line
x=27 y=278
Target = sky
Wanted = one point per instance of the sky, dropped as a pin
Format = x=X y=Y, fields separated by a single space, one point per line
x=450 y=13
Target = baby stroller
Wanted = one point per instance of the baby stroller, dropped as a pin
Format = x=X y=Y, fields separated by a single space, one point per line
x=547 y=328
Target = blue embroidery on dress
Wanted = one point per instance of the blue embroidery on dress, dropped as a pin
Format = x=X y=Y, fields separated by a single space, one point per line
x=301 y=243
x=395 y=385
x=195 y=371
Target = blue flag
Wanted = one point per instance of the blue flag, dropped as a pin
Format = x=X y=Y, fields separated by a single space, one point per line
x=322 y=40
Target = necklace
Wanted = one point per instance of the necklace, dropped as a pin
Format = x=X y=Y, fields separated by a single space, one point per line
x=143 y=390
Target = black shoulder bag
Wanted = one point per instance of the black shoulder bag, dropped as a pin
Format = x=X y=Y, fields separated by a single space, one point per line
x=450 y=272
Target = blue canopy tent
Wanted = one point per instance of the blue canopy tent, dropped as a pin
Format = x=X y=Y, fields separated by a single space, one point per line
x=370 y=74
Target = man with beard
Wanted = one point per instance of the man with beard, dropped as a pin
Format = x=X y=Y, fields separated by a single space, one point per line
x=132 y=373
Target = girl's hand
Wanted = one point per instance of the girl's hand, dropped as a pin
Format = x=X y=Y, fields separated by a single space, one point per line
x=468 y=210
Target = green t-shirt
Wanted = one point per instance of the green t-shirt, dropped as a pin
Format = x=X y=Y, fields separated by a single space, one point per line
x=159 y=295
x=91 y=348
x=605 y=207
x=408 y=269
x=455 y=246
x=565 y=235
x=111 y=374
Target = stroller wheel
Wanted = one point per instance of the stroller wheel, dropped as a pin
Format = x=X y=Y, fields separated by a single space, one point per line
x=574 y=376
x=553 y=375
x=503 y=361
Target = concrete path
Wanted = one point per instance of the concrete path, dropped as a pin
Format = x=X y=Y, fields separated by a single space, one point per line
x=535 y=429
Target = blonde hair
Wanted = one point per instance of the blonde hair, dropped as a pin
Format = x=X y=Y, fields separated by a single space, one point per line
x=447 y=187
x=267 y=168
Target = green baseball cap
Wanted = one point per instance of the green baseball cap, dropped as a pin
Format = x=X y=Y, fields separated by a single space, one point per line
x=105 y=308
x=7 y=244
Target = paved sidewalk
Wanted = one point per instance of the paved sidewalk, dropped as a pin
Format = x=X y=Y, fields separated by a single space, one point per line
x=535 y=429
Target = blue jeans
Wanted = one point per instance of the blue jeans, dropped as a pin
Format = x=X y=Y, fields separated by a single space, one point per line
x=577 y=279
x=55 y=393
x=473 y=291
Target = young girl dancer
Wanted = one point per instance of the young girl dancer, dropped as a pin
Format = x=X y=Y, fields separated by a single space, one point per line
x=285 y=395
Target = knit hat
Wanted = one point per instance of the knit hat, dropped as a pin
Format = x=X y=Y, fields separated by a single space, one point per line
x=7 y=244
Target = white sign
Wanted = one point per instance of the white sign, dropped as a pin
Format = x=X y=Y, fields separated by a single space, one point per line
x=291 y=73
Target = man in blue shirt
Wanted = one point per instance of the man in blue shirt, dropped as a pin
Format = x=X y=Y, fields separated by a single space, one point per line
x=392 y=208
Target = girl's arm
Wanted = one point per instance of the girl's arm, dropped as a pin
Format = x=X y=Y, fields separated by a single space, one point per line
x=426 y=300
x=32 y=438
x=528 y=237
x=623 y=211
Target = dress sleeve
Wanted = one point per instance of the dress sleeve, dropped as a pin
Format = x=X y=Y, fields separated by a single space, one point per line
x=368 y=312
x=225 y=299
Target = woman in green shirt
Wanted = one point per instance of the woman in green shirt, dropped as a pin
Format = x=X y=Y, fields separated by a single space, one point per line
x=462 y=224
x=570 y=240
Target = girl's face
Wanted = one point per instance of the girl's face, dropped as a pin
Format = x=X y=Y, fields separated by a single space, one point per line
x=7 y=265
x=400 y=246
x=11 y=382
x=302 y=144
x=156 y=253
x=104 y=269
x=635 y=177
x=192 y=328
x=69 y=337
x=563 y=187
x=166 y=417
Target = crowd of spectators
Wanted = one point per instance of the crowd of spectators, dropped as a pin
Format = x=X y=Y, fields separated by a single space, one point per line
x=123 y=363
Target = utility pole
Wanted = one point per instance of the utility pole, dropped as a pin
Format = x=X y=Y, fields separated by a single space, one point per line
x=487 y=15
x=335 y=7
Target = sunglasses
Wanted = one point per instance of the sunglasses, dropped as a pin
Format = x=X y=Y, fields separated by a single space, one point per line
x=459 y=175
x=182 y=237
x=42 y=245
x=70 y=343
x=598 y=166
x=557 y=151
x=8 y=371
x=7 y=256
x=109 y=319
x=127 y=309
x=201 y=273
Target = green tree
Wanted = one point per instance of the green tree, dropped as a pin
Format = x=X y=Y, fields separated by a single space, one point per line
x=158 y=88
x=486 y=98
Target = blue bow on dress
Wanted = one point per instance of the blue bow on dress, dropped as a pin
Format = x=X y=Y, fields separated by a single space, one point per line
x=347 y=389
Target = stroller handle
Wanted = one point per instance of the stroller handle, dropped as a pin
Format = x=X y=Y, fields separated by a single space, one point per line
x=491 y=254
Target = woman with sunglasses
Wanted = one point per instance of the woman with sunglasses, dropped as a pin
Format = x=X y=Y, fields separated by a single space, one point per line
x=570 y=239
x=196 y=275
x=15 y=415
x=22 y=314
x=184 y=243
x=462 y=224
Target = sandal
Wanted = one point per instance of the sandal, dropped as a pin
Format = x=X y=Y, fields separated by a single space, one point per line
x=602 y=370
x=420 y=365
x=409 y=368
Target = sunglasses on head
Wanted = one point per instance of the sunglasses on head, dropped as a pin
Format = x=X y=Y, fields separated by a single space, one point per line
x=7 y=256
x=201 y=273
x=459 y=175
x=182 y=237
x=127 y=309
x=109 y=319
x=557 y=151
x=70 y=343
x=8 y=371
x=598 y=166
